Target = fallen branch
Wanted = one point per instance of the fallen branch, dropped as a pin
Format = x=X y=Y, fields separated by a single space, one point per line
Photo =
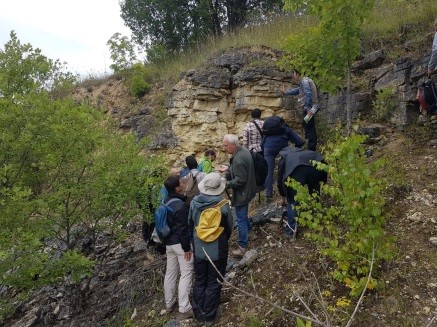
x=293 y=313
x=433 y=318
x=369 y=276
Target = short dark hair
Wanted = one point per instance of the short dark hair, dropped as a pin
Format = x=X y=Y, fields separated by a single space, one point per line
x=295 y=71
x=210 y=152
x=256 y=113
x=191 y=162
x=171 y=182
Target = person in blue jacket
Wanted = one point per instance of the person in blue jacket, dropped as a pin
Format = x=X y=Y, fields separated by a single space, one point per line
x=271 y=146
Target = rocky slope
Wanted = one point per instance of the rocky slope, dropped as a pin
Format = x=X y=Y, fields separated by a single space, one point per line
x=216 y=99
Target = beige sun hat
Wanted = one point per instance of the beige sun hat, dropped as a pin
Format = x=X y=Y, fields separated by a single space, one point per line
x=212 y=184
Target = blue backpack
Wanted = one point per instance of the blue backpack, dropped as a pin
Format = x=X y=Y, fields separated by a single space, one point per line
x=161 y=218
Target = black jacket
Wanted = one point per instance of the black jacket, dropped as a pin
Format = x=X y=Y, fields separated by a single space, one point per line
x=291 y=158
x=178 y=222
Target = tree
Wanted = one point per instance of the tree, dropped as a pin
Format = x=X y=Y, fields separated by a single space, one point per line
x=123 y=52
x=65 y=175
x=326 y=51
x=28 y=70
x=177 y=24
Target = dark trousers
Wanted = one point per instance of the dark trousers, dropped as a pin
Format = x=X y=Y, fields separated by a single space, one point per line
x=305 y=175
x=206 y=289
x=310 y=132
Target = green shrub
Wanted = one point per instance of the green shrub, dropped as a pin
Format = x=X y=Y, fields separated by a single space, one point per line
x=137 y=80
x=384 y=104
x=347 y=221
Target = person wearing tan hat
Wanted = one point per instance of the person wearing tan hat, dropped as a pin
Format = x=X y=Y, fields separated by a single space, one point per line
x=210 y=242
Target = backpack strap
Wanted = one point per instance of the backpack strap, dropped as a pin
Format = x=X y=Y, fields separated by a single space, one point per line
x=167 y=204
x=221 y=204
x=172 y=211
x=258 y=128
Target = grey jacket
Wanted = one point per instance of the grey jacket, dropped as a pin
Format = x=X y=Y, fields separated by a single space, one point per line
x=242 y=177
x=295 y=157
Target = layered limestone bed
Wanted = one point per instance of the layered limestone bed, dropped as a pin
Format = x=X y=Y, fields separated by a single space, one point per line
x=217 y=98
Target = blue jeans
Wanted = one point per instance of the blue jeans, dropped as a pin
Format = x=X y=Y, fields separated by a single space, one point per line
x=291 y=216
x=270 y=155
x=242 y=224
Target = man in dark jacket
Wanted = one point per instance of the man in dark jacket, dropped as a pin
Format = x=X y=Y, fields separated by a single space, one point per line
x=207 y=288
x=271 y=146
x=242 y=182
x=178 y=250
x=296 y=163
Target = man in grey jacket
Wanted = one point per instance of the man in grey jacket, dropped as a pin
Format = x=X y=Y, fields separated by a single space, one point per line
x=297 y=164
x=242 y=181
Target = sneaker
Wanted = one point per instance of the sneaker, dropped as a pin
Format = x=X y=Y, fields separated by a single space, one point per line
x=240 y=252
x=186 y=315
x=172 y=308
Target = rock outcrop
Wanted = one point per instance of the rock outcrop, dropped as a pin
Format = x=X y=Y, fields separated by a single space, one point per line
x=217 y=98
x=212 y=101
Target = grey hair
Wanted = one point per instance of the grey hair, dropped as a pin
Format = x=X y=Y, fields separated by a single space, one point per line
x=232 y=139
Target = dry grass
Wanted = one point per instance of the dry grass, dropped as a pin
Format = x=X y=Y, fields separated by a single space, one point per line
x=391 y=22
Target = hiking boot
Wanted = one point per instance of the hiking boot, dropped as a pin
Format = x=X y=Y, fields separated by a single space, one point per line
x=240 y=252
x=290 y=237
x=186 y=315
x=219 y=312
x=172 y=308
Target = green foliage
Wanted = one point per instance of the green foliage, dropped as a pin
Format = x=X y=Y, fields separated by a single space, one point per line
x=122 y=52
x=152 y=179
x=24 y=68
x=64 y=174
x=137 y=80
x=348 y=222
x=384 y=104
x=392 y=23
x=326 y=51
x=158 y=54
x=181 y=24
x=300 y=323
x=254 y=322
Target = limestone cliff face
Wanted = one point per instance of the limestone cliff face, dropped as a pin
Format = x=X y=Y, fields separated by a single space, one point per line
x=212 y=101
x=217 y=99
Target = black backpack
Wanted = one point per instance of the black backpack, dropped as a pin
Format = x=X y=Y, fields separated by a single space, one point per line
x=261 y=169
x=427 y=96
x=147 y=232
x=274 y=125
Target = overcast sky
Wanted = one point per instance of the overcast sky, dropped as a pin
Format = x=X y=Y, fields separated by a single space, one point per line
x=74 y=31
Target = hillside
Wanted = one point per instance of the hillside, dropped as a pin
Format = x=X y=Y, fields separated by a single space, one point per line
x=183 y=116
x=130 y=279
